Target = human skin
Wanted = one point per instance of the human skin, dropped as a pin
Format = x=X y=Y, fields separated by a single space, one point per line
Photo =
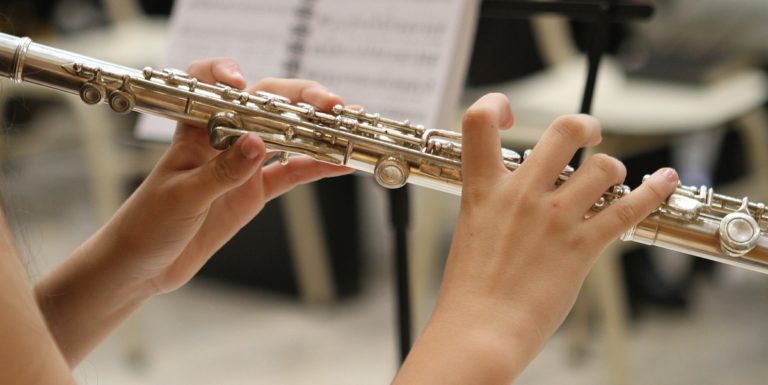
x=193 y=201
x=28 y=352
x=521 y=249
x=519 y=255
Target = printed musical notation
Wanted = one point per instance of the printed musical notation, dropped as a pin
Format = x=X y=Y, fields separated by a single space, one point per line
x=393 y=58
x=396 y=57
x=255 y=33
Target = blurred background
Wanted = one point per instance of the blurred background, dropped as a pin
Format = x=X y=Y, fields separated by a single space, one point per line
x=686 y=88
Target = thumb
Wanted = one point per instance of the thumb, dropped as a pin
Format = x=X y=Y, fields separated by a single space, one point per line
x=227 y=170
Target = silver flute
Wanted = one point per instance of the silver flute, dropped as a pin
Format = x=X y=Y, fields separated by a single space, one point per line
x=693 y=220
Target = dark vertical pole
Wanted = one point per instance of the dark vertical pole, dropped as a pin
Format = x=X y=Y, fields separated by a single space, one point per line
x=399 y=216
x=600 y=31
x=597 y=45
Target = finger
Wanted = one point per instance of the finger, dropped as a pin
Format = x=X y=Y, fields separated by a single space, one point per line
x=190 y=148
x=229 y=169
x=481 y=146
x=279 y=178
x=238 y=206
x=590 y=182
x=299 y=90
x=558 y=145
x=218 y=69
x=226 y=216
x=628 y=211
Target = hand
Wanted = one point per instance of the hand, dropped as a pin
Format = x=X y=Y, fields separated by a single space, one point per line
x=522 y=247
x=196 y=198
x=523 y=244
x=192 y=202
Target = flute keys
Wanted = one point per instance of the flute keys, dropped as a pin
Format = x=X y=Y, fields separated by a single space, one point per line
x=223 y=129
x=91 y=93
x=121 y=102
x=391 y=172
x=739 y=232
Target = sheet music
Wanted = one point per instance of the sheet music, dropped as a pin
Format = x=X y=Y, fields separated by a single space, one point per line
x=404 y=59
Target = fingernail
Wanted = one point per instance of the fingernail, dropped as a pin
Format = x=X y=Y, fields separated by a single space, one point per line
x=669 y=174
x=249 y=148
x=236 y=73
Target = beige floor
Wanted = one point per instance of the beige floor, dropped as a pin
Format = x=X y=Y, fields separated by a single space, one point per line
x=214 y=334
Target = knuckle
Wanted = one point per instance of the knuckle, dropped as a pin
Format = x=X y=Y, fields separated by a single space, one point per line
x=266 y=83
x=194 y=67
x=609 y=166
x=224 y=172
x=307 y=90
x=556 y=204
x=470 y=195
x=525 y=190
x=580 y=128
x=557 y=221
x=292 y=174
x=579 y=240
x=570 y=127
x=658 y=193
x=312 y=84
x=627 y=215
x=174 y=191
x=524 y=204
x=479 y=194
x=227 y=62
x=477 y=116
x=559 y=224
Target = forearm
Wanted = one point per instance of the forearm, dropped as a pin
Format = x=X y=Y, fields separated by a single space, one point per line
x=475 y=345
x=85 y=298
x=28 y=354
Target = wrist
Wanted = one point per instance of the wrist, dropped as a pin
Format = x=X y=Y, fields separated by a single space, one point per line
x=85 y=298
x=117 y=270
x=502 y=320
x=469 y=344
x=96 y=276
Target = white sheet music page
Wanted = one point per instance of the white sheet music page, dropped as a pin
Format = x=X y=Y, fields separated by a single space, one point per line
x=404 y=59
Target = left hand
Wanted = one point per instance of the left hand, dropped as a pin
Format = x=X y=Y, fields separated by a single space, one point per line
x=196 y=198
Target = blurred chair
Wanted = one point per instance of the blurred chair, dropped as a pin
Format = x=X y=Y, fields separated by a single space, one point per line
x=130 y=39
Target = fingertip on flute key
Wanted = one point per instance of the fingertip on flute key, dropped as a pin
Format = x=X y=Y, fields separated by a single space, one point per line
x=668 y=174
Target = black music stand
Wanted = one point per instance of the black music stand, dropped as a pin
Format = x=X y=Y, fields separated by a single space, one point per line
x=602 y=13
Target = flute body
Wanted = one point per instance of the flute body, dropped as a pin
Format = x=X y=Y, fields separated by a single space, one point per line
x=693 y=220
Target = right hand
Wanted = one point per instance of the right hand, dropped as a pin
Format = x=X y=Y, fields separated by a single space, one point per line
x=521 y=242
x=522 y=247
